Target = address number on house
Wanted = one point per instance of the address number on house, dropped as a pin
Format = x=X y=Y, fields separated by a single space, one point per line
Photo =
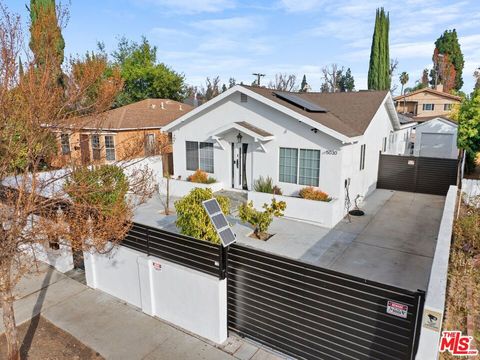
x=397 y=309
x=330 y=152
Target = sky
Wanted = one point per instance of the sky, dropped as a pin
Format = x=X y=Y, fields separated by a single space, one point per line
x=235 y=38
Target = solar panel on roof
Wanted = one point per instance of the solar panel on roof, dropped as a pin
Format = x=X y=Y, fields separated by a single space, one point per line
x=298 y=101
x=219 y=221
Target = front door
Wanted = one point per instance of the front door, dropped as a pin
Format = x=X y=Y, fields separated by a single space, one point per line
x=84 y=149
x=239 y=166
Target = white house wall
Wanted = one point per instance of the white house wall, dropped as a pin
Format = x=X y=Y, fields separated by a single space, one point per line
x=288 y=132
x=363 y=182
x=436 y=127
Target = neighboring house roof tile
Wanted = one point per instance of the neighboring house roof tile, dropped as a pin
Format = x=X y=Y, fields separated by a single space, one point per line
x=348 y=113
x=432 y=91
x=149 y=113
x=255 y=129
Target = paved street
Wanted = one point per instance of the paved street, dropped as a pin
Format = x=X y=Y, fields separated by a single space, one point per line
x=114 y=329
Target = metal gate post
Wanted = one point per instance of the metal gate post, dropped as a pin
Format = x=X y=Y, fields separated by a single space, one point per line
x=222 y=263
x=420 y=299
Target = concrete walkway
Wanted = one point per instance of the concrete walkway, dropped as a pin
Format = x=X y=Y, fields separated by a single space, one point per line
x=114 y=329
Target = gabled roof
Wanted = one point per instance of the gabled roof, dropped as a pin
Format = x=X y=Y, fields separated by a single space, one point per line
x=145 y=114
x=443 y=119
x=348 y=114
x=432 y=91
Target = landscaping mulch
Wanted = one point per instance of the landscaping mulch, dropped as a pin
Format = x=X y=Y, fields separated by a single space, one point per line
x=40 y=339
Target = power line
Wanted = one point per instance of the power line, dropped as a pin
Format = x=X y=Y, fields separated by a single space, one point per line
x=258 y=75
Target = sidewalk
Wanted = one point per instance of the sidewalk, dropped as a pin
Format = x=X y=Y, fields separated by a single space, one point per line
x=114 y=329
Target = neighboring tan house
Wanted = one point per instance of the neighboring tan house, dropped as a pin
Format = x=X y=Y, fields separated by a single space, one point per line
x=123 y=133
x=426 y=103
x=327 y=140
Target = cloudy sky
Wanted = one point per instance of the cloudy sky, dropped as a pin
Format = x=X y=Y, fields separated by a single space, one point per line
x=235 y=38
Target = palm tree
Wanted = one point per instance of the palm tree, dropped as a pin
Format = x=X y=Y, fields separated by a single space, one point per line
x=403 y=81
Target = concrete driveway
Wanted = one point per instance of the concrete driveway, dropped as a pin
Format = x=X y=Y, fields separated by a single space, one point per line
x=393 y=243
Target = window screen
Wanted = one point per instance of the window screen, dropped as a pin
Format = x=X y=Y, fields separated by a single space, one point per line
x=65 y=141
x=96 y=147
x=109 y=148
x=428 y=107
x=206 y=157
x=288 y=165
x=309 y=169
x=192 y=155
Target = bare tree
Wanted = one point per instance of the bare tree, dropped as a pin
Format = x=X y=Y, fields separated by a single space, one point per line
x=331 y=78
x=64 y=206
x=284 y=82
x=392 y=69
x=211 y=89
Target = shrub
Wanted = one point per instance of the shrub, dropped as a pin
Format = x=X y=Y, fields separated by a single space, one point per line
x=261 y=220
x=201 y=177
x=192 y=220
x=102 y=187
x=265 y=185
x=311 y=193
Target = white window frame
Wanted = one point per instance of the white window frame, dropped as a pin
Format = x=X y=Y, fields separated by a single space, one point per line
x=95 y=148
x=297 y=177
x=425 y=107
x=109 y=148
x=199 y=157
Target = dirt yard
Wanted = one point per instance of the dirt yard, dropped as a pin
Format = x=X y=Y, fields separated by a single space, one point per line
x=41 y=340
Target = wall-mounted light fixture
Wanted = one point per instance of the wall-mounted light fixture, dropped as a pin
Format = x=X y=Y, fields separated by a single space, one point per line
x=239 y=138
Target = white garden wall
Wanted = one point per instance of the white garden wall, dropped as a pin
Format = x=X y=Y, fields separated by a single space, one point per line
x=187 y=298
x=61 y=259
x=180 y=188
x=437 y=284
x=317 y=212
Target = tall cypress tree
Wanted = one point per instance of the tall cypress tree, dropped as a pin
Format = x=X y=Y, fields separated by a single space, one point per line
x=379 y=69
x=46 y=40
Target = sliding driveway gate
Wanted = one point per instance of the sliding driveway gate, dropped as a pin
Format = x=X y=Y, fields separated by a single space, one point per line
x=416 y=174
x=313 y=313
x=297 y=308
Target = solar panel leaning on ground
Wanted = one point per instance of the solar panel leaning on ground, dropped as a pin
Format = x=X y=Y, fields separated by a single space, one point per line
x=219 y=221
x=296 y=100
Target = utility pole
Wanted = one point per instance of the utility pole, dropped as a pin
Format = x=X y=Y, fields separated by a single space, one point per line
x=258 y=75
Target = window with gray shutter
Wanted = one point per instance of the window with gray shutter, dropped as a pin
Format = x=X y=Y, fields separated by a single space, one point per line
x=192 y=155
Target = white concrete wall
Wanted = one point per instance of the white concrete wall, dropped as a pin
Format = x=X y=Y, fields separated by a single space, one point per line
x=471 y=191
x=398 y=141
x=115 y=273
x=437 y=127
x=184 y=297
x=288 y=132
x=180 y=188
x=321 y=213
x=61 y=259
x=437 y=284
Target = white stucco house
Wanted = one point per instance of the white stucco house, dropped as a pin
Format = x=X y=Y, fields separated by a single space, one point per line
x=436 y=137
x=327 y=140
